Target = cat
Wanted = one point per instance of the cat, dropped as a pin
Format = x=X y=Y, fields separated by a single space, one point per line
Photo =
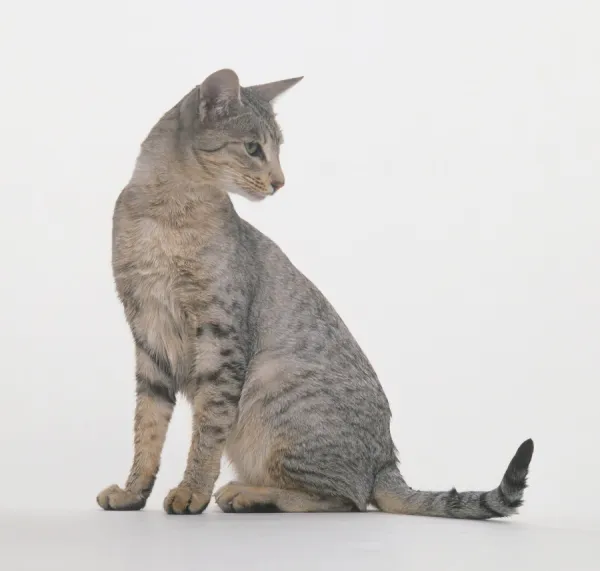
x=220 y=315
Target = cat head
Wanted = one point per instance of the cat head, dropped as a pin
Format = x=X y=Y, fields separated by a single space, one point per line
x=233 y=136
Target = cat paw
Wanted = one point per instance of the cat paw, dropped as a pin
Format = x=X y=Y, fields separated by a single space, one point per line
x=238 y=498
x=185 y=500
x=117 y=499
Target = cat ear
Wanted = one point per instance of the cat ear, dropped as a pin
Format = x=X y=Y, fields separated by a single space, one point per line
x=219 y=92
x=271 y=91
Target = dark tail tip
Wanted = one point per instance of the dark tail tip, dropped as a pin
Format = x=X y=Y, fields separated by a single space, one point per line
x=522 y=458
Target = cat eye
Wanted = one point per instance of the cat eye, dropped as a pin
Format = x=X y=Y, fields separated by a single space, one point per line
x=254 y=149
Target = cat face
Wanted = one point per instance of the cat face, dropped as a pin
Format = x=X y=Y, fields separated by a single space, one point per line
x=236 y=139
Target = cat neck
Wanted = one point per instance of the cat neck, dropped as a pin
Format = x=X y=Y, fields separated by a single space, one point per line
x=177 y=200
x=162 y=188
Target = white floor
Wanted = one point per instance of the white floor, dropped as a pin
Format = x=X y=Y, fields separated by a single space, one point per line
x=95 y=540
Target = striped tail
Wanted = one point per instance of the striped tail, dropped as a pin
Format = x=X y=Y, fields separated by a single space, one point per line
x=391 y=494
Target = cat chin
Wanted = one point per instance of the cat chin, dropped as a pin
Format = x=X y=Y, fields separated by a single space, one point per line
x=251 y=196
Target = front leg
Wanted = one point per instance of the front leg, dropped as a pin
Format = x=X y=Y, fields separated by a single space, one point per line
x=153 y=411
x=219 y=372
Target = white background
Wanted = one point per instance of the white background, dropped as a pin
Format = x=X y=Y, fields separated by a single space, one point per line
x=443 y=190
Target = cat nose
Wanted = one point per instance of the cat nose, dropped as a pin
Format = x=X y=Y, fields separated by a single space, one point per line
x=276 y=184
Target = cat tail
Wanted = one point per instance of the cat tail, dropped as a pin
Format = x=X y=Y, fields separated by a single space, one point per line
x=391 y=494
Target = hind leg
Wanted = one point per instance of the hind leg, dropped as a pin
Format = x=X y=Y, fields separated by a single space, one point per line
x=240 y=498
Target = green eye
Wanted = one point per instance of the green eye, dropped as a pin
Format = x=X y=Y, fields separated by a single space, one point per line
x=253 y=149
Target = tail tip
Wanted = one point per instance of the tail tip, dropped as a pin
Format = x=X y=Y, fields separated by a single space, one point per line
x=524 y=454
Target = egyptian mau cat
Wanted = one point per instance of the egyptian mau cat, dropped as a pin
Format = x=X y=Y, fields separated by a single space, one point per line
x=221 y=316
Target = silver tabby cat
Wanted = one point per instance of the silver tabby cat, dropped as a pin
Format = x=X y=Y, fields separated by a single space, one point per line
x=221 y=316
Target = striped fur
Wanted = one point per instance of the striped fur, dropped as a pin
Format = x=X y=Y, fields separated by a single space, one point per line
x=220 y=316
x=392 y=494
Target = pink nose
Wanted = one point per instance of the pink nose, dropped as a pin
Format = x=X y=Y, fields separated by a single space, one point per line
x=277 y=184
